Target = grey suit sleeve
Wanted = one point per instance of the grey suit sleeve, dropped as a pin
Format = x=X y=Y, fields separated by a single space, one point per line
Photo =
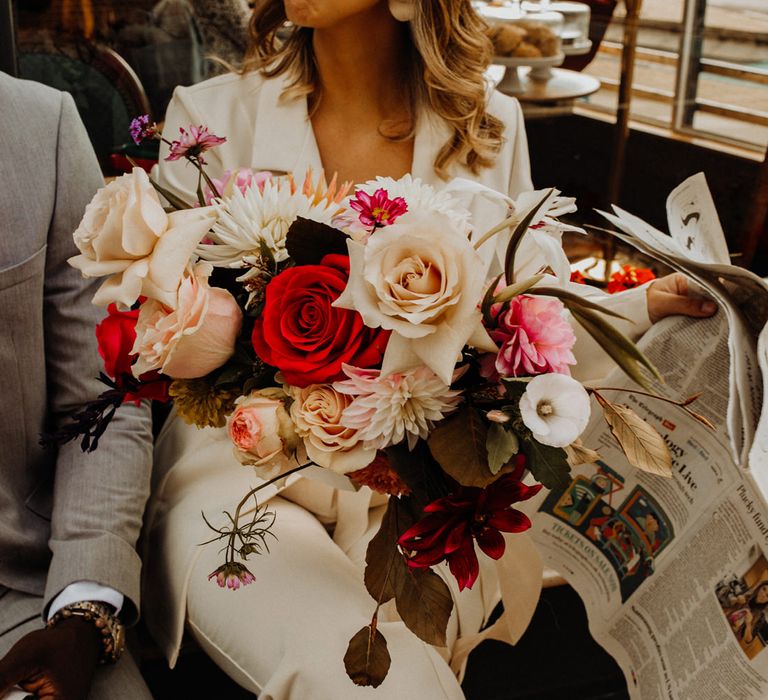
x=99 y=498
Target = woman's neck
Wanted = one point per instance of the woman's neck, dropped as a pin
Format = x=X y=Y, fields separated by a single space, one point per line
x=361 y=63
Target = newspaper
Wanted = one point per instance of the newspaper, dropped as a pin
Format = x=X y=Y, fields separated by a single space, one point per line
x=674 y=572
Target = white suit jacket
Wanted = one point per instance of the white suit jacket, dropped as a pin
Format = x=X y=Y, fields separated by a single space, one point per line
x=266 y=133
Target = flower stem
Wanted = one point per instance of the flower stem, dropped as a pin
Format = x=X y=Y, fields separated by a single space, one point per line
x=248 y=496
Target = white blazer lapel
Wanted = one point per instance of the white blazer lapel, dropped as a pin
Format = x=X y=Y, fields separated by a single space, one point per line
x=283 y=138
x=431 y=134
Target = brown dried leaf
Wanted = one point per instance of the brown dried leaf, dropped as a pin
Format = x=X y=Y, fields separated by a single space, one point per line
x=459 y=445
x=424 y=602
x=422 y=598
x=643 y=446
x=367 y=659
x=579 y=454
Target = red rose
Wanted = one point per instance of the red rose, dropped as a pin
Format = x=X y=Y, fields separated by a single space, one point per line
x=306 y=338
x=116 y=335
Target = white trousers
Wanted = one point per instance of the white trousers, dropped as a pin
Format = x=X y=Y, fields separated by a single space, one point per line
x=284 y=637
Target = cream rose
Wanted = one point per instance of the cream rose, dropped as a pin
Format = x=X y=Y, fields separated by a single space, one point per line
x=126 y=236
x=423 y=280
x=262 y=432
x=194 y=337
x=316 y=412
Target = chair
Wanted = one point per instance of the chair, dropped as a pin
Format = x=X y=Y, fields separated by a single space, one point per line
x=106 y=90
x=600 y=18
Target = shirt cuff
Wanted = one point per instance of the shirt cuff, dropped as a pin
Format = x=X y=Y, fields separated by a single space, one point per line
x=82 y=591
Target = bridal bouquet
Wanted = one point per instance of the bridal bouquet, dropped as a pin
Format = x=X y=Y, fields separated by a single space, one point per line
x=355 y=329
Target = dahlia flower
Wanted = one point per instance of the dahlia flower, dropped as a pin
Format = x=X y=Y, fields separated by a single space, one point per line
x=452 y=524
x=534 y=336
x=401 y=406
x=261 y=216
x=555 y=408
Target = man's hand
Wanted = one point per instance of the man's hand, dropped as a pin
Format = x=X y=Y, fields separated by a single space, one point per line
x=669 y=296
x=53 y=664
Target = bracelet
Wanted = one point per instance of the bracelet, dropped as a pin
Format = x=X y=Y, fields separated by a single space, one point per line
x=112 y=632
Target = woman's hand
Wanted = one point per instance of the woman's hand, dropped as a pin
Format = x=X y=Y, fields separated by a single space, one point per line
x=669 y=296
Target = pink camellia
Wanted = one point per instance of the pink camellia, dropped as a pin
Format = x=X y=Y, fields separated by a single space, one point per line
x=534 y=336
x=377 y=209
x=242 y=179
x=193 y=143
x=193 y=339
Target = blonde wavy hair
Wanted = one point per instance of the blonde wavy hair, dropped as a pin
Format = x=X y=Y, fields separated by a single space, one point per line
x=450 y=52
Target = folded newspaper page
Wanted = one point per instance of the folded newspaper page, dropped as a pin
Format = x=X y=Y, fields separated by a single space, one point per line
x=674 y=571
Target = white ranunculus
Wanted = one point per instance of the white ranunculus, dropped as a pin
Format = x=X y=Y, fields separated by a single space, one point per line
x=126 y=236
x=555 y=408
x=423 y=280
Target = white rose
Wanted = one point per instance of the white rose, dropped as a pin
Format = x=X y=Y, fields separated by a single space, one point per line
x=194 y=337
x=555 y=408
x=316 y=412
x=423 y=280
x=126 y=235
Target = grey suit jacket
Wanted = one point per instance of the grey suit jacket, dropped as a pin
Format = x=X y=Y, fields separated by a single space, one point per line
x=65 y=516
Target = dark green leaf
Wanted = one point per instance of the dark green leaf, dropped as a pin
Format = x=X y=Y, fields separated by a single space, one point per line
x=308 y=242
x=487 y=302
x=502 y=446
x=367 y=659
x=517 y=236
x=621 y=349
x=571 y=299
x=518 y=288
x=459 y=445
x=549 y=465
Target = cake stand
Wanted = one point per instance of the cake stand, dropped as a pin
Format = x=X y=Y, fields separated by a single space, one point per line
x=541 y=71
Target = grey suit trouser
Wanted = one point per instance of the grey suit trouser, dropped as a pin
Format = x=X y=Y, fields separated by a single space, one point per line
x=20 y=614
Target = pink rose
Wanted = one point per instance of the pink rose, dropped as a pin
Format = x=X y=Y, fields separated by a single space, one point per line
x=262 y=432
x=535 y=338
x=193 y=339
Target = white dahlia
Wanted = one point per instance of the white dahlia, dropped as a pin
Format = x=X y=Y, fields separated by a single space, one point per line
x=387 y=410
x=421 y=197
x=261 y=216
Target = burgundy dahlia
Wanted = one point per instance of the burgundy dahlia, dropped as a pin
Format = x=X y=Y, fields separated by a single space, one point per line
x=452 y=524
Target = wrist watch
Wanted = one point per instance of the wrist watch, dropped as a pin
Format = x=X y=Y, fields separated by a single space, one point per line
x=101 y=616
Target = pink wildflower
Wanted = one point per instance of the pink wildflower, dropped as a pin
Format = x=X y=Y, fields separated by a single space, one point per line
x=378 y=209
x=232 y=575
x=242 y=179
x=141 y=129
x=534 y=338
x=194 y=143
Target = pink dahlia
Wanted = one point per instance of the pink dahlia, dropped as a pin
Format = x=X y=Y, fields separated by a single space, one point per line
x=193 y=143
x=402 y=406
x=377 y=209
x=534 y=336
